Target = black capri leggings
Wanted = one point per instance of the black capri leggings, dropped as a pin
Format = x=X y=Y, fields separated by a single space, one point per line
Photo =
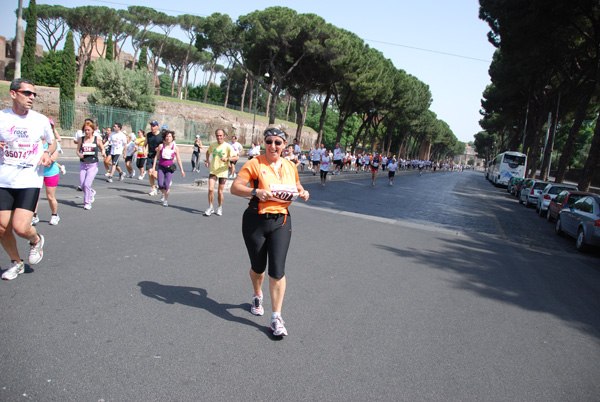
x=267 y=235
x=324 y=174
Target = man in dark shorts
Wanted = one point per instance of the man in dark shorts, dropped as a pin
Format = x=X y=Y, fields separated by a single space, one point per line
x=22 y=158
x=153 y=140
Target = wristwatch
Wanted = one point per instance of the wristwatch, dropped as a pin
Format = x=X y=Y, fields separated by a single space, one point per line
x=253 y=193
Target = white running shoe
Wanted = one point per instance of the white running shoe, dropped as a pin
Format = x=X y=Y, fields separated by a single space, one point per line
x=209 y=211
x=109 y=180
x=141 y=177
x=35 y=219
x=16 y=269
x=153 y=192
x=162 y=197
x=54 y=220
x=107 y=174
x=257 y=305
x=36 y=252
x=219 y=211
x=63 y=170
x=165 y=203
x=277 y=326
x=121 y=176
x=87 y=207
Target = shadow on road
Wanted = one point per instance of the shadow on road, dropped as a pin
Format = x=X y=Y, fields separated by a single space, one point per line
x=530 y=281
x=197 y=297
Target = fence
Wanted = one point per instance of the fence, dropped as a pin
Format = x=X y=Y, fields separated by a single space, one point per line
x=69 y=117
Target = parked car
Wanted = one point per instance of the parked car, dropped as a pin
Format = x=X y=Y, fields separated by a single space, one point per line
x=564 y=200
x=513 y=182
x=530 y=194
x=548 y=194
x=581 y=221
x=520 y=187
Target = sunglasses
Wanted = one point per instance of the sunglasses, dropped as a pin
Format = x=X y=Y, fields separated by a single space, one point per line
x=28 y=93
x=277 y=142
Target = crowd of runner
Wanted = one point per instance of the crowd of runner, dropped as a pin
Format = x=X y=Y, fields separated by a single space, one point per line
x=29 y=146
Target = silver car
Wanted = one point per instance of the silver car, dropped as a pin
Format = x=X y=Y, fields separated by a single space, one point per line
x=548 y=194
x=530 y=194
x=581 y=221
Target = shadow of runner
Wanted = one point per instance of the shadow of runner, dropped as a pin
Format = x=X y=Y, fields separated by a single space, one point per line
x=197 y=297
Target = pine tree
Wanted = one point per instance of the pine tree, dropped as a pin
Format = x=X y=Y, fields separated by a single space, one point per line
x=110 y=52
x=28 y=58
x=143 y=62
x=67 y=84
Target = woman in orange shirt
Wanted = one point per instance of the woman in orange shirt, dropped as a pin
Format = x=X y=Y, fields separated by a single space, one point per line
x=266 y=223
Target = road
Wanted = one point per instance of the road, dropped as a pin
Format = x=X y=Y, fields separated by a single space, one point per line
x=439 y=288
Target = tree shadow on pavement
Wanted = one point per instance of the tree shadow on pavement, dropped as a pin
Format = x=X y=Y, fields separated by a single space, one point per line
x=198 y=297
x=531 y=280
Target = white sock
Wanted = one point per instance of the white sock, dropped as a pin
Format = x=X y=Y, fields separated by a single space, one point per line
x=275 y=315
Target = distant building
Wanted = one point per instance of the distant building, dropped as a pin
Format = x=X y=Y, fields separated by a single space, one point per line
x=7 y=56
x=468 y=155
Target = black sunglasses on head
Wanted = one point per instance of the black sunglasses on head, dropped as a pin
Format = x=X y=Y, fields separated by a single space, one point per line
x=28 y=93
x=277 y=142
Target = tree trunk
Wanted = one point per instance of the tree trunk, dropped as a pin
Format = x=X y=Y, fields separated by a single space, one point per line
x=244 y=93
x=300 y=121
x=323 y=115
x=544 y=172
x=580 y=112
x=227 y=91
x=212 y=69
x=593 y=159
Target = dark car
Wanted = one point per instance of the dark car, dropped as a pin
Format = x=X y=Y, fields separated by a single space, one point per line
x=581 y=221
x=564 y=199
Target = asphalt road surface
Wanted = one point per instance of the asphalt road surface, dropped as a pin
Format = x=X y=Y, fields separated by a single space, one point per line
x=439 y=288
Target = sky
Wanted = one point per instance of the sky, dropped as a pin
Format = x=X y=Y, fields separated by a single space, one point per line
x=442 y=43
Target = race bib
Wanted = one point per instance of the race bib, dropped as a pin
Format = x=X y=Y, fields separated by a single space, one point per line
x=88 y=149
x=22 y=154
x=284 y=192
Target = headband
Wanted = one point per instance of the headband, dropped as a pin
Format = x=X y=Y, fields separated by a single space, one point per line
x=275 y=132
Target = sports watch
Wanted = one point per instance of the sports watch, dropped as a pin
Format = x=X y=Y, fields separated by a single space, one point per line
x=253 y=193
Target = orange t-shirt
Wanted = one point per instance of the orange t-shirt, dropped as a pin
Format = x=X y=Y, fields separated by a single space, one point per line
x=261 y=175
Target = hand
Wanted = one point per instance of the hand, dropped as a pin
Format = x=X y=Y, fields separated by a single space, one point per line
x=2 y=145
x=182 y=173
x=207 y=164
x=225 y=159
x=263 y=195
x=45 y=160
x=304 y=195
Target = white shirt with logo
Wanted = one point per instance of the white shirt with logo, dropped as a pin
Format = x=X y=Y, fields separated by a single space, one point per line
x=117 y=143
x=22 y=137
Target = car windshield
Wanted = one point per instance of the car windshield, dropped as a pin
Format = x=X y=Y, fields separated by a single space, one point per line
x=514 y=160
x=574 y=198
x=556 y=189
x=540 y=185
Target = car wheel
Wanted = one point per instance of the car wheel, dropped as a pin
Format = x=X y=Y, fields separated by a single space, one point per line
x=548 y=216
x=557 y=227
x=580 y=241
